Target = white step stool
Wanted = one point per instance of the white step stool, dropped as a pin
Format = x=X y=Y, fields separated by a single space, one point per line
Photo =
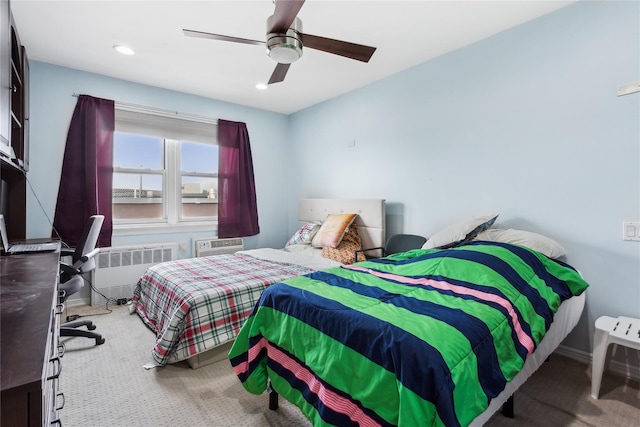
x=623 y=331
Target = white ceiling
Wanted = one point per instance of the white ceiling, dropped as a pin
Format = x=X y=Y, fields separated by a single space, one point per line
x=80 y=35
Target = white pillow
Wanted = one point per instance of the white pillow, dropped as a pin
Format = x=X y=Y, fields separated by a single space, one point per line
x=535 y=241
x=459 y=232
x=304 y=249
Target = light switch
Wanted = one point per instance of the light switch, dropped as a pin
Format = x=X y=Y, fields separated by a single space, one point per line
x=631 y=230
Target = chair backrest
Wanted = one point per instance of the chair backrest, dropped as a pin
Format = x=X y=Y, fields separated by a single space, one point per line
x=87 y=242
x=403 y=242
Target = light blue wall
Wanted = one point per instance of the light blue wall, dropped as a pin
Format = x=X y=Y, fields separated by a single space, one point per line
x=526 y=124
x=52 y=104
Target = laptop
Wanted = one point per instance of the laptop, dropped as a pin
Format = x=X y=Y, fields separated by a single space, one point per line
x=23 y=247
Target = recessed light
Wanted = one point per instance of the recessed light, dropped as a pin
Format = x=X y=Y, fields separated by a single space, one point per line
x=125 y=50
x=262 y=86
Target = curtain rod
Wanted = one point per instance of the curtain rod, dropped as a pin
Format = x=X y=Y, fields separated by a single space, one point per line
x=159 y=111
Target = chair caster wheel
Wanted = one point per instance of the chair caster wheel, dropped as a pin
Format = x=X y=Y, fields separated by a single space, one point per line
x=100 y=341
x=91 y=327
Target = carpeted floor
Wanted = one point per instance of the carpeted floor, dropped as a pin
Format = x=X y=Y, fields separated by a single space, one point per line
x=108 y=386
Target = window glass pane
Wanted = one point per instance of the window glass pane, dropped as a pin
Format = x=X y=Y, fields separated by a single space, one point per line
x=199 y=197
x=155 y=164
x=198 y=157
x=132 y=151
x=137 y=196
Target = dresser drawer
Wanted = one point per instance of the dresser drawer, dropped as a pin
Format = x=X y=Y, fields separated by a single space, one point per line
x=52 y=398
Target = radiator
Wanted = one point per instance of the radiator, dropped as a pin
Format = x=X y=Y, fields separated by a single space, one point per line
x=207 y=247
x=119 y=268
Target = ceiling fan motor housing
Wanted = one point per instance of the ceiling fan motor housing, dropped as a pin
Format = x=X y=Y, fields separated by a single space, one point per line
x=285 y=48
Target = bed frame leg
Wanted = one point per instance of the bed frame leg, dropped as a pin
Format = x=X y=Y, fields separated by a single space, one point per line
x=273 y=397
x=273 y=400
x=507 y=408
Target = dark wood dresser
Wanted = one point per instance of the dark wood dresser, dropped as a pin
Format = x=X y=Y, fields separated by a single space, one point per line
x=29 y=342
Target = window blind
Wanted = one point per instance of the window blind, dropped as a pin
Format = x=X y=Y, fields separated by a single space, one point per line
x=165 y=126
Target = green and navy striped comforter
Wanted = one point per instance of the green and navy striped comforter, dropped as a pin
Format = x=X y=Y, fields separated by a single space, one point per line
x=423 y=338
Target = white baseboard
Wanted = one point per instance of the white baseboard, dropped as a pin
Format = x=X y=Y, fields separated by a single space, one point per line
x=572 y=353
x=618 y=368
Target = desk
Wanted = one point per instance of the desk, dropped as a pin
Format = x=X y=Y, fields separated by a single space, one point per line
x=29 y=333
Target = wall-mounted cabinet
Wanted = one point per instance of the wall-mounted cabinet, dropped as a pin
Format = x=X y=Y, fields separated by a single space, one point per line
x=19 y=96
x=14 y=123
x=16 y=91
x=5 y=79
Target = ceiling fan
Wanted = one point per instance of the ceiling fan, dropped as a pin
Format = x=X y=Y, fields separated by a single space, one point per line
x=285 y=40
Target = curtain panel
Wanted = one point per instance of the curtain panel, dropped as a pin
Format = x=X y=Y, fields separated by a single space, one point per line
x=237 y=208
x=85 y=183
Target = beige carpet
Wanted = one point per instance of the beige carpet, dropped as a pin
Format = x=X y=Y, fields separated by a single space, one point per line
x=107 y=386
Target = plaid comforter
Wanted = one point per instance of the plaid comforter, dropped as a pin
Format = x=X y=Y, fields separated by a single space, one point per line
x=196 y=304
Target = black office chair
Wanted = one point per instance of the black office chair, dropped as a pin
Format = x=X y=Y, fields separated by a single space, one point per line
x=395 y=244
x=71 y=279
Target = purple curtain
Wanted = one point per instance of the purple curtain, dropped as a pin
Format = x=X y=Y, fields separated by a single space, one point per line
x=237 y=208
x=87 y=167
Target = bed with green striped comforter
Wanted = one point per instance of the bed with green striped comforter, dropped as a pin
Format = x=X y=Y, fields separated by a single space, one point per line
x=423 y=338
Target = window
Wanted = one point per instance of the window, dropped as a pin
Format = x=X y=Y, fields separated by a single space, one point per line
x=165 y=170
x=199 y=180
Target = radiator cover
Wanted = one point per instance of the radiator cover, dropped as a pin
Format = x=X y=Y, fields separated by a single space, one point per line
x=119 y=268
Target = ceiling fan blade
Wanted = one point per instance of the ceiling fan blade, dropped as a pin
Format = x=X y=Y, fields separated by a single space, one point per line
x=279 y=73
x=286 y=11
x=192 y=33
x=350 y=50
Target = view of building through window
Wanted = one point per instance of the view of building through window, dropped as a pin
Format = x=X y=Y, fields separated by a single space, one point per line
x=150 y=172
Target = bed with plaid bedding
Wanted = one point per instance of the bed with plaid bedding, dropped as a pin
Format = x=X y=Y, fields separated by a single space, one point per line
x=196 y=304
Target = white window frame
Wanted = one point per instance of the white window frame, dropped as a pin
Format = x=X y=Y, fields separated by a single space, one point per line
x=173 y=127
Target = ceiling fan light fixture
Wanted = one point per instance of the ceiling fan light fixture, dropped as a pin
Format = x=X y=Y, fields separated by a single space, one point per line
x=285 y=53
x=285 y=48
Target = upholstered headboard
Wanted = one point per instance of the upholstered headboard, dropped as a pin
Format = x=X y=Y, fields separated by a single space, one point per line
x=371 y=216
